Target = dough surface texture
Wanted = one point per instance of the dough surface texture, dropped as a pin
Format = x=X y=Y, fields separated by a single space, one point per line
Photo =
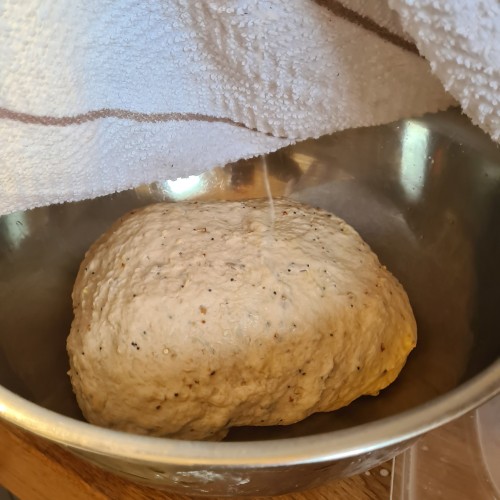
x=191 y=318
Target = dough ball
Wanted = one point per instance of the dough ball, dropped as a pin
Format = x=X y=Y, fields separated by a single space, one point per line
x=191 y=318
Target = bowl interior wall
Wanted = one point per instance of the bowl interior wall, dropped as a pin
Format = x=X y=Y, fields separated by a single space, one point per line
x=424 y=193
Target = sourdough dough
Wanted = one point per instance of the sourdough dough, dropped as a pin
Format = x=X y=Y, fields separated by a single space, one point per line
x=191 y=318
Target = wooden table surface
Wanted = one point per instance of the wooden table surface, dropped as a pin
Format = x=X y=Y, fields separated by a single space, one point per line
x=34 y=469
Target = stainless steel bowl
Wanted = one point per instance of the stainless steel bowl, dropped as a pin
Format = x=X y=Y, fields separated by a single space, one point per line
x=424 y=193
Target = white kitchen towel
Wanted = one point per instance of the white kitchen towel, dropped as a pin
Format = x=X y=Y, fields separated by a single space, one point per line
x=97 y=96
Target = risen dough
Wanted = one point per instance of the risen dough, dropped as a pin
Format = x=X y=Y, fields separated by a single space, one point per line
x=192 y=318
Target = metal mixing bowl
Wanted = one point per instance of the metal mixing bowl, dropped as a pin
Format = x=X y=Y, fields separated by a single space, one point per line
x=424 y=193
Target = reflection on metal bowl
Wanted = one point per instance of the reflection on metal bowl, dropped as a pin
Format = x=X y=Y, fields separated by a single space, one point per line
x=424 y=193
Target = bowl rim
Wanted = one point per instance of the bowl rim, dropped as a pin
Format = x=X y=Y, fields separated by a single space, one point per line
x=317 y=448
